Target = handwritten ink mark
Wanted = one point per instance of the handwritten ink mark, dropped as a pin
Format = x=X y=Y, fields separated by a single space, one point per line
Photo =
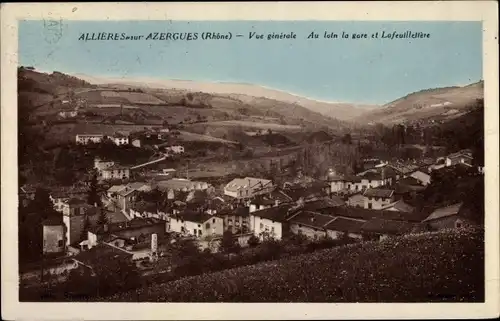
x=53 y=30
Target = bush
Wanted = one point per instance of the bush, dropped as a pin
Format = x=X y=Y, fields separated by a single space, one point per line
x=447 y=266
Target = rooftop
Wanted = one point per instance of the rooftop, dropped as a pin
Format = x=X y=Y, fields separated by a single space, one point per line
x=312 y=219
x=400 y=206
x=345 y=225
x=368 y=214
x=382 y=226
x=193 y=216
x=247 y=182
x=277 y=213
x=378 y=192
x=444 y=212
x=128 y=225
x=102 y=251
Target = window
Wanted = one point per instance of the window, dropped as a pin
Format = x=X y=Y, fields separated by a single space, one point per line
x=199 y=225
x=213 y=221
x=272 y=229
x=369 y=205
x=261 y=226
x=207 y=226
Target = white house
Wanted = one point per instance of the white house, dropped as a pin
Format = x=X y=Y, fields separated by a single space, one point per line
x=196 y=224
x=272 y=222
x=116 y=172
x=377 y=198
x=176 y=149
x=248 y=187
x=89 y=138
x=120 y=139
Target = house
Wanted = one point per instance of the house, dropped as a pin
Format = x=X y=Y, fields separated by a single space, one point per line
x=116 y=172
x=114 y=190
x=381 y=228
x=376 y=198
x=75 y=212
x=377 y=177
x=182 y=184
x=314 y=191
x=85 y=139
x=403 y=169
x=99 y=252
x=137 y=228
x=248 y=187
x=126 y=197
x=463 y=157
x=236 y=220
x=310 y=224
x=272 y=222
x=422 y=177
x=368 y=214
x=120 y=139
x=68 y=113
x=263 y=201
x=398 y=206
x=143 y=209
x=325 y=205
x=340 y=227
x=196 y=224
x=175 y=149
x=452 y=216
x=100 y=164
x=54 y=236
x=356 y=200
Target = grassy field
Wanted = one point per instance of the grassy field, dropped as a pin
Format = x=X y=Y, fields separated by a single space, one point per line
x=447 y=266
x=256 y=124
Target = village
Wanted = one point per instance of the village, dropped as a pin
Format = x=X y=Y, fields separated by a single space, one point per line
x=139 y=219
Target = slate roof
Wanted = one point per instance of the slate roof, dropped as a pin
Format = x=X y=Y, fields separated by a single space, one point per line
x=444 y=212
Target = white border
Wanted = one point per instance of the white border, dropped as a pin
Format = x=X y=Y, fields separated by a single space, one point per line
x=485 y=11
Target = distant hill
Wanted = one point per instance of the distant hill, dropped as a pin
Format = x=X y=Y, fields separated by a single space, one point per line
x=437 y=104
x=247 y=93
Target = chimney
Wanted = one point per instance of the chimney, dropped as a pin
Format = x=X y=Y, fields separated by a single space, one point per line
x=383 y=175
x=276 y=202
x=312 y=218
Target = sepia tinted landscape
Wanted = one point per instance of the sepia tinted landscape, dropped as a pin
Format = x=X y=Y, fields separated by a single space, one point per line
x=178 y=191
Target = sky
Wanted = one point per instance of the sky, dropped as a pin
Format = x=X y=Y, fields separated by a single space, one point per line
x=371 y=71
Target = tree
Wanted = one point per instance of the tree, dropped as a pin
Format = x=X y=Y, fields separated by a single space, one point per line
x=85 y=228
x=93 y=195
x=253 y=241
x=228 y=243
x=346 y=139
x=103 y=217
x=115 y=275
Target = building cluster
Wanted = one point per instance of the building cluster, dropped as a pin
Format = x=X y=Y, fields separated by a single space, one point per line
x=370 y=205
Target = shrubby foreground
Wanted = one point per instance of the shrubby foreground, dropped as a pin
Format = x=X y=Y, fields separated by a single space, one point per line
x=446 y=266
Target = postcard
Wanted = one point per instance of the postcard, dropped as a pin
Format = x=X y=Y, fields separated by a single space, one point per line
x=250 y=160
